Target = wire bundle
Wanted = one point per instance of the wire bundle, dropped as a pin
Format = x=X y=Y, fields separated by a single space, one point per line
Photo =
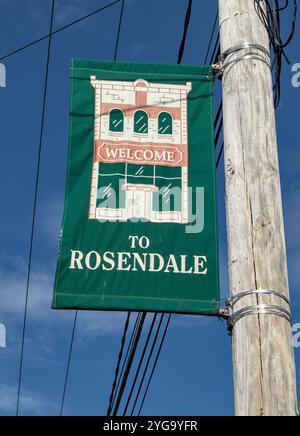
x=271 y=17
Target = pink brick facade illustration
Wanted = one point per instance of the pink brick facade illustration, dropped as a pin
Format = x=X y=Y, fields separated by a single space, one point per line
x=140 y=150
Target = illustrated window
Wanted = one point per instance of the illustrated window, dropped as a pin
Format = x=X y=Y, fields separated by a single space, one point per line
x=116 y=121
x=141 y=122
x=165 y=123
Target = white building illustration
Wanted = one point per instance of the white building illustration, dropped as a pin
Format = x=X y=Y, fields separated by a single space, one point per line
x=140 y=167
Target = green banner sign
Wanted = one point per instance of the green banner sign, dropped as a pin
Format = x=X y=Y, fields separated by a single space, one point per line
x=139 y=227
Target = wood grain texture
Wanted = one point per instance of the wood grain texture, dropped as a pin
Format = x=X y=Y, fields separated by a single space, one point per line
x=263 y=358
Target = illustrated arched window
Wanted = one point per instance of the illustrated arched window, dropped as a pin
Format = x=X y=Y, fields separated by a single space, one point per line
x=141 y=121
x=165 y=123
x=116 y=121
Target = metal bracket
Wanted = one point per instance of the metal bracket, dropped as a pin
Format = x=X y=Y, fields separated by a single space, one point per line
x=233 y=317
x=224 y=313
x=220 y=67
x=233 y=300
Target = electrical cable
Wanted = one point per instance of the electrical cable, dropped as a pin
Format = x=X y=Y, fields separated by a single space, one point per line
x=119 y=362
x=129 y=350
x=211 y=37
x=36 y=189
x=67 y=26
x=271 y=18
x=129 y=365
x=140 y=363
x=129 y=353
x=220 y=155
x=119 y=30
x=216 y=52
x=217 y=117
x=219 y=130
x=155 y=363
x=185 y=31
x=68 y=364
x=147 y=364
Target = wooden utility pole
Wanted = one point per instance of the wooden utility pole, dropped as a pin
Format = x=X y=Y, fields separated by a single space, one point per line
x=263 y=359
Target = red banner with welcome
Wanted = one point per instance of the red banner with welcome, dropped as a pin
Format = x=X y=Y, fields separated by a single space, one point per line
x=145 y=154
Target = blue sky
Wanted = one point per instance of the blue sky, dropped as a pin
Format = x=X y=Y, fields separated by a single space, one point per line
x=194 y=374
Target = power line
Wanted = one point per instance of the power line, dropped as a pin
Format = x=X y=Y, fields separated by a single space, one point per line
x=147 y=364
x=35 y=206
x=118 y=363
x=220 y=154
x=155 y=363
x=219 y=130
x=129 y=350
x=217 y=117
x=271 y=18
x=185 y=31
x=68 y=365
x=140 y=363
x=216 y=52
x=211 y=37
x=129 y=365
x=67 y=26
x=119 y=30
x=218 y=122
